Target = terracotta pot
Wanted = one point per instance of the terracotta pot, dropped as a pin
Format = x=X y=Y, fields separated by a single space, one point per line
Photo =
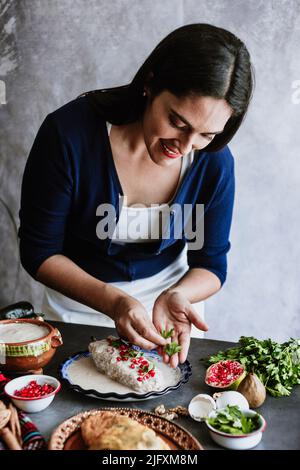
x=29 y=355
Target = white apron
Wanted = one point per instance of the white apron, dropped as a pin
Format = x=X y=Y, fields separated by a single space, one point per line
x=58 y=307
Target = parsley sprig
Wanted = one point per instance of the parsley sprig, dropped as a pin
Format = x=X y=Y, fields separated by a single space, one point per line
x=116 y=343
x=167 y=333
x=171 y=348
x=233 y=421
x=277 y=365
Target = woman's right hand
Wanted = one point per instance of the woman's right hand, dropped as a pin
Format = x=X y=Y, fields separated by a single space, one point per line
x=134 y=324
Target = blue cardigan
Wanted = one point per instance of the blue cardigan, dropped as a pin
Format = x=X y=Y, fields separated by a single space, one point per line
x=70 y=171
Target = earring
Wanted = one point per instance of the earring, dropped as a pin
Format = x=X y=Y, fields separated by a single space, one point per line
x=144 y=93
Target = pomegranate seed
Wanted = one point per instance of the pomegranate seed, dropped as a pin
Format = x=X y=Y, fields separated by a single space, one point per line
x=224 y=373
x=34 y=390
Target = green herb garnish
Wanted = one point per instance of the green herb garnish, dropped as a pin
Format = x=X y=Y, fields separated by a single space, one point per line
x=233 y=421
x=167 y=333
x=276 y=365
x=116 y=343
x=172 y=348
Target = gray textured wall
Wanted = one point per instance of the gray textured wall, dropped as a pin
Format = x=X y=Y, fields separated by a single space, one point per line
x=52 y=50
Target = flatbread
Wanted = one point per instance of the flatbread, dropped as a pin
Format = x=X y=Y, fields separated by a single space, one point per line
x=107 y=431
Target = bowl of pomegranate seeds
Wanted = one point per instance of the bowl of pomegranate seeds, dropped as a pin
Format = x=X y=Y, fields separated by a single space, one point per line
x=32 y=393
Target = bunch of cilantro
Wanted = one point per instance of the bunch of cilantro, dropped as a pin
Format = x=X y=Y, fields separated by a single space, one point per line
x=276 y=365
x=233 y=421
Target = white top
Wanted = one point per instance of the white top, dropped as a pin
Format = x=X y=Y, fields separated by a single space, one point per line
x=145 y=224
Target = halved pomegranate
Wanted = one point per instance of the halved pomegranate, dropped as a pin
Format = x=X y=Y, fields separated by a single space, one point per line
x=225 y=374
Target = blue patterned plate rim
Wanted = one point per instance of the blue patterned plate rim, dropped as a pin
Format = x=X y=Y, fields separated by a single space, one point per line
x=185 y=368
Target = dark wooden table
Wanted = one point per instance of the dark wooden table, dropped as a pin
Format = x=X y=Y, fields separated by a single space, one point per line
x=281 y=414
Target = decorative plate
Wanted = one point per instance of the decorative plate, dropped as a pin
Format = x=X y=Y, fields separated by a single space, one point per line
x=81 y=375
x=67 y=435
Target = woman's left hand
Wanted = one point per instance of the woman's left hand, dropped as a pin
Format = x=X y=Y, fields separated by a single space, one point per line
x=173 y=310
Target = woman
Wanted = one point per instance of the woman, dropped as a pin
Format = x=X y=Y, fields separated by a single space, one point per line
x=160 y=140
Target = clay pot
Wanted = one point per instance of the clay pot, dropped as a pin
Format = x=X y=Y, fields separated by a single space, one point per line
x=31 y=355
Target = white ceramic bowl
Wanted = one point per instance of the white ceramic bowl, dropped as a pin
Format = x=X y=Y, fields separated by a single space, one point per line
x=237 y=441
x=31 y=405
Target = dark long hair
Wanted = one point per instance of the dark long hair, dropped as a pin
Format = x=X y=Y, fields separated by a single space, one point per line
x=196 y=59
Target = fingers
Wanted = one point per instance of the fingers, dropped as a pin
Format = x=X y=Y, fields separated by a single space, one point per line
x=195 y=318
x=160 y=326
x=185 y=344
x=183 y=340
x=173 y=360
x=135 y=338
x=142 y=333
x=163 y=326
x=166 y=358
x=151 y=331
x=151 y=334
x=167 y=326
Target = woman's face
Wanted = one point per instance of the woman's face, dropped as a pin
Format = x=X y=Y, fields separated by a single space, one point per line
x=174 y=126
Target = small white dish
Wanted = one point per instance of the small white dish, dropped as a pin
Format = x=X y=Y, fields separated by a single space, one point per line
x=35 y=404
x=231 y=398
x=237 y=441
